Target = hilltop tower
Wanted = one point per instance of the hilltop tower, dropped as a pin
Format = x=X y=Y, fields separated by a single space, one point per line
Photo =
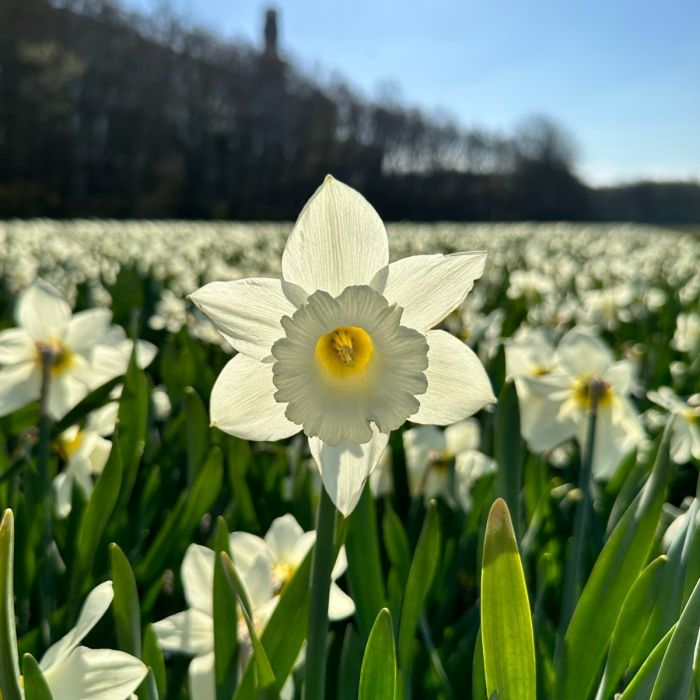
x=270 y=34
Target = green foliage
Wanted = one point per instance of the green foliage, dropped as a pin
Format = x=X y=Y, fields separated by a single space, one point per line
x=378 y=675
x=35 y=685
x=506 y=624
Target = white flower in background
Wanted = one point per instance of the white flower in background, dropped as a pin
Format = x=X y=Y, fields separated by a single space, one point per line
x=170 y=313
x=531 y=285
x=82 y=349
x=687 y=335
x=74 y=672
x=685 y=436
x=284 y=547
x=191 y=632
x=162 y=406
x=530 y=354
x=85 y=452
x=341 y=347
x=381 y=480
x=583 y=360
x=606 y=308
x=445 y=463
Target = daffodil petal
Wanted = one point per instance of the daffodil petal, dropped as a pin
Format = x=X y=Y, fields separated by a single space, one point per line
x=187 y=632
x=338 y=241
x=283 y=535
x=429 y=287
x=581 y=354
x=243 y=403
x=457 y=382
x=340 y=604
x=16 y=346
x=198 y=577
x=65 y=392
x=19 y=385
x=42 y=312
x=345 y=468
x=89 y=674
x=94 y=607
x=461 y=436
x=86 y=329
x=246 y=547
x=201 y=677
x=246 y=312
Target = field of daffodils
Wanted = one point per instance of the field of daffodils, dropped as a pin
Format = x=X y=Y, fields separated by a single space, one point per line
x=329 y=460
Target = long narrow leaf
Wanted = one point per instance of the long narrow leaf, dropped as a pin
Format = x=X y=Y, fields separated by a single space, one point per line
x=35 y=685
x=378 y=674
x=506 y=622
x=9 y=664
x=616 y=569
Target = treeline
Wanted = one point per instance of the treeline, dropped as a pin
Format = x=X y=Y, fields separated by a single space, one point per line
x=110 y=114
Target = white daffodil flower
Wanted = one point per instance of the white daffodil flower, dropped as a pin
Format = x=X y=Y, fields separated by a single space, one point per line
x=530 y=354
x=341 y=347
x=74 y=672
x=583 y=359
x=685 y=436
x=85 y=451
x=445 y=463
x=687 y=335
x=191 y=632
x=284 y=547
x=82 y=350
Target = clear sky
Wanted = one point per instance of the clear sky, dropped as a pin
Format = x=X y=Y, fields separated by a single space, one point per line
x=623 y=76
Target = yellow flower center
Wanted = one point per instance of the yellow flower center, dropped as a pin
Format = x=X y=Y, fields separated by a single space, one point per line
x=56 y=354
x=690 y=415
x=345 y=352
x=281 y=573
x=583 y=388
x=440 y=461
x=540 y=371
x=69 y=446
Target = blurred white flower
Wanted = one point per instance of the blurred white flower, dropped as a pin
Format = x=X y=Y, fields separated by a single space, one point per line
x=81 y=349
x=341 y=347
x=685 y=437
x=584 y=360
x=161 y=403
x=687 y=335
x=191 y=632
x=381 y=480
x=74 y=672
x=445 y=463
x=283 y=548
x=530 y=354
x=85 y=452
x=170 y=313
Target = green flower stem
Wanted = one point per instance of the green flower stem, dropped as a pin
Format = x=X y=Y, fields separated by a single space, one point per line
x=573 y=582
x=43 y=456
x=321 y=568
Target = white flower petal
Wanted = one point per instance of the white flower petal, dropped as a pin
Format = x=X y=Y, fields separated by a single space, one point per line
x=457 y=382
x=243 y=402
x=86 y=329
x=464 y=435
x=65 y=392
x=42 y=312
x=16 y=346
x=258 y=582
x=283 y=535
x=246 y=312
x=187 y=632
x=198 y=577
x=95 y=674
x=94 y=607
x=338 y=241
x=246 y=548
x=345 y=468
x=429 y=287
x=202 y=678
x=99 y=455
x=341 y=563
x=581 y=354
x=340 y=604
x=63 y=494
x=19 y=385
x=418 y=444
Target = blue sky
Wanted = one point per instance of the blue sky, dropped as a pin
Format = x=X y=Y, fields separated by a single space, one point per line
x=623 y=76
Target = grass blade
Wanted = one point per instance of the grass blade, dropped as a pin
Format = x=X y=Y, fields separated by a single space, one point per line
x=35 y=685
x=9 y=665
